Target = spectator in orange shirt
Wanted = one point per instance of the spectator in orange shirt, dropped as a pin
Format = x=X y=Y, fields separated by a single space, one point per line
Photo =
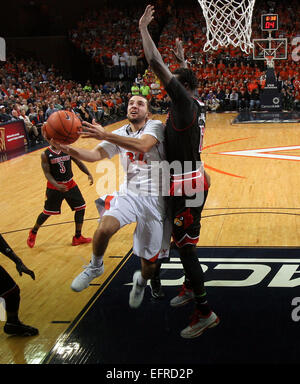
x=252 y=85
x=221 y=66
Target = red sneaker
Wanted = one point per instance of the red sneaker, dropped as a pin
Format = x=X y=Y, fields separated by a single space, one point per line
x=31 y=239
x=81 y=240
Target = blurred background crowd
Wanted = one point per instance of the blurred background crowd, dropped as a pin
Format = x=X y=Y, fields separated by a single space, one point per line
x=108 y=37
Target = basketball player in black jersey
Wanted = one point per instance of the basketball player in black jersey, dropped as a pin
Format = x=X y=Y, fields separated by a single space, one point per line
x=10 y=292
x=184 y=135
x=57 y=167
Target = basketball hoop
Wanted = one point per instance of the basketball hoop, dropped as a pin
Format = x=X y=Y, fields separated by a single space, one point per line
x=228 y=22
x=270 y=61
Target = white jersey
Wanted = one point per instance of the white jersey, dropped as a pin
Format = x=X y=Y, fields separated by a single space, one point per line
x=133 y=202
x=141 y=170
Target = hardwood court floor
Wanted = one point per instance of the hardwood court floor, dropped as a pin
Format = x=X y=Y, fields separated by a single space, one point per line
x=253 y=201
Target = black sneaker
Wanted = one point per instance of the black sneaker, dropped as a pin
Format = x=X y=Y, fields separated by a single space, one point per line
x=156 y=290
x=20 y=329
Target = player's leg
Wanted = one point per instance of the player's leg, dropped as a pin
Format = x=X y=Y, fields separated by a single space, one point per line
x=10 y=292
x=117 y=214
x=76 y=202
x=155 y=283
x=147 y=244
x=203 y=317
x=186 y=232
x=140 y=279
x=78 y=238
x=33 y=232
x=52 y=206
x=107 y=227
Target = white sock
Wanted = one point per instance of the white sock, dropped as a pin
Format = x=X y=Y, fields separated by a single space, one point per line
x=141 y=281
x=97 y=261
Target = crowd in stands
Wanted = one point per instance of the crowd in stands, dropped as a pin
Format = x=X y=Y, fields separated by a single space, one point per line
x=228 y=79
x=30 y=91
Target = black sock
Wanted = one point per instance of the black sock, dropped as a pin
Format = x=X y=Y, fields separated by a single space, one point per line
x=12 y=319
x=187 y=283
x=39 y=222
x=202 y=304
x=77 y=234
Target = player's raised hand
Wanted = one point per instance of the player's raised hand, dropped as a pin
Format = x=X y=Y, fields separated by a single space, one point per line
x=147 y=17
x=179 y=51
x=95 y=131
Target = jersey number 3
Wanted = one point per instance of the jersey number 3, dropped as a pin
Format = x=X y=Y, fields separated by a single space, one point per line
x=62 y=168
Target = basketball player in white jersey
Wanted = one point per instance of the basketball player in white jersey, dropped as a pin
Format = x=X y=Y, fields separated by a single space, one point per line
x=140 y=146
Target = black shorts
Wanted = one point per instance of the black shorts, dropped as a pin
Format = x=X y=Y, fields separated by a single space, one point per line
x=6 y=282
x=186 y=220
x=55 y=198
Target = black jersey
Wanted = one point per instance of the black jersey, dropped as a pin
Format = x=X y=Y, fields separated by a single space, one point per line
x=184 y=126
x=60 y=165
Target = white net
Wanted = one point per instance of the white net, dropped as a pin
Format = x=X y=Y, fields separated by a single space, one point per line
x=228 y=22
x=270 y=61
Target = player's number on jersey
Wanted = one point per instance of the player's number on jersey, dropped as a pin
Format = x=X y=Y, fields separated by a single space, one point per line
x=139 y=157
x=62 y=168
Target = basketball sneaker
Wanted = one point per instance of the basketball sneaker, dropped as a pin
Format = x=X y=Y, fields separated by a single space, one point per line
x=20 y=329
x=184 y=296
x=31 y=239
x=84 y=278
x=81 y=240
x=137 y=292
x=199 y=324
x=156 y=290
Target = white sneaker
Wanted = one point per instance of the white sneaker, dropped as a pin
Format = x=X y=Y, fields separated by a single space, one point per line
x=184 y=296
x=137 y=292
x=83 y=280
x=199 y=324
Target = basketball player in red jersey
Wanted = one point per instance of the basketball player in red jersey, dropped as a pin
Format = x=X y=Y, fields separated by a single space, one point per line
x=183 y=138
x=57 y=167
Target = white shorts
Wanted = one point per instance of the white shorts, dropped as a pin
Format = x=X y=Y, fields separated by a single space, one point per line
x=151 y=238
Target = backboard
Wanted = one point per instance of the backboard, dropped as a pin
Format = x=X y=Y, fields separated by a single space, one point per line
x=264 y=48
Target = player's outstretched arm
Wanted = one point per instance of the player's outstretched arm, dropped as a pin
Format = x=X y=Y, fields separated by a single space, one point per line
x=83 y=154
x=84 y=169
x=8 y=252
x=142 y=144
x=152 y=54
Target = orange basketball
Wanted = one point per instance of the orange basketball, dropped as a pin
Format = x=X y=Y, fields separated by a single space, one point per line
x=63 y=127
